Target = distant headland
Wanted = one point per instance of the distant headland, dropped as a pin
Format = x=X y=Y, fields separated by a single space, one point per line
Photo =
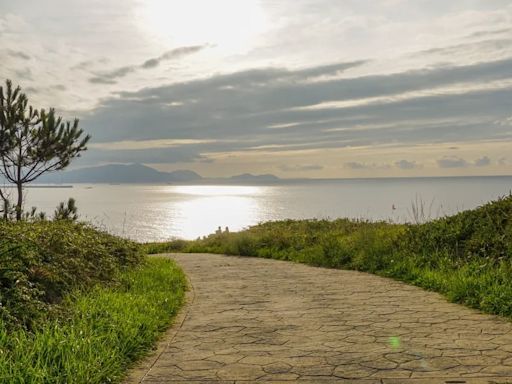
x=139 y=173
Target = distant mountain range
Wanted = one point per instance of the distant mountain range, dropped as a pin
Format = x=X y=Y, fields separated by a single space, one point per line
x=139 y=173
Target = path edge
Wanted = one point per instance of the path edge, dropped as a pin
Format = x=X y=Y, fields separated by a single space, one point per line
x=138 y=372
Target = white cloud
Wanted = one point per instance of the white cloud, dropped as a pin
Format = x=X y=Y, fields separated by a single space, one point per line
x=126 y=145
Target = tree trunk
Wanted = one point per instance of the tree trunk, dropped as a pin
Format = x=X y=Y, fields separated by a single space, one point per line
x=5 y=211
x=5 y=205
x=19 y=205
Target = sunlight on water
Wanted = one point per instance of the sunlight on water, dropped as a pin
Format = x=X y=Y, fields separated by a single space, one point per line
x=201 y=209
x=201 y=215
x=217 y=190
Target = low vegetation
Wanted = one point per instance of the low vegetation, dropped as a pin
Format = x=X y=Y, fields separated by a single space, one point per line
x=78 y=305
x=43 y=261
x=467 y=257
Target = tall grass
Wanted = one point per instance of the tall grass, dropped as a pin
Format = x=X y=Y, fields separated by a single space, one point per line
x=105 y=328
x=467 y=256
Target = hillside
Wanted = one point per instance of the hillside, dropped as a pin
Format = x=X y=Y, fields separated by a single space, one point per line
x=139 y=173
x=120 y=173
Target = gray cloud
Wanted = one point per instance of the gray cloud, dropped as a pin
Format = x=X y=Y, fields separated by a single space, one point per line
x=301 y=168
x=483 y=162
x=457 y=162
x=360 y=165
x=151 y=63
x=243 y=105
x=171 y=55
x=487 y=33
x=31 y=90
x=102 y=80
x=355 y=165
x=154 y=156
x=325 y=70
x=88 y=64
x=18 y=54
x=59 y=87
x=110 y=77
x=406 y=164
x=452 y=162
x=496 y=43
x=24 y=74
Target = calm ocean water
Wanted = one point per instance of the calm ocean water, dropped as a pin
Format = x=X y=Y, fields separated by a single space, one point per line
x=151 y=213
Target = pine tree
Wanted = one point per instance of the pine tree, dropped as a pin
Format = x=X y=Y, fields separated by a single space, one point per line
x=67 y=211
x=33 y=142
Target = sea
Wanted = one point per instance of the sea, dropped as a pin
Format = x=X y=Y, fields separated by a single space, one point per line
x=163 y=212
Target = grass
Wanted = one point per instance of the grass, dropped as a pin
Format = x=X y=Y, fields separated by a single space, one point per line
x=467 y=257
x=78 y=305
x=41 y=262
x=105 y=329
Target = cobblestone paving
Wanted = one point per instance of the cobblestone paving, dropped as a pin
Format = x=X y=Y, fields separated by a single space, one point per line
x=252 y=319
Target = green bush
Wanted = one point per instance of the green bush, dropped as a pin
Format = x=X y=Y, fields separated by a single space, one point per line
x=484 y=233
x=177 y=245
x=43 y=261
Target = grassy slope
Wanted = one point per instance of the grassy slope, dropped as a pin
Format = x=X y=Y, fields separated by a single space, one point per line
x=467 y=257
x=77 y=305
x=105 y=329
x=43 y=261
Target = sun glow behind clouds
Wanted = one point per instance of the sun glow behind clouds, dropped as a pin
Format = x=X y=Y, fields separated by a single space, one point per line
x=230 y=25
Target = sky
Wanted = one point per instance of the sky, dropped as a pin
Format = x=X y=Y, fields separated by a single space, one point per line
x=296 y=88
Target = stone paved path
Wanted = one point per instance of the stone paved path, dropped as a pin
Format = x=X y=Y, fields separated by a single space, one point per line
x=253 y=319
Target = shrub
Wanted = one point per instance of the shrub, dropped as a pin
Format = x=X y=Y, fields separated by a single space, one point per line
x=42 y=261
x=484 y=233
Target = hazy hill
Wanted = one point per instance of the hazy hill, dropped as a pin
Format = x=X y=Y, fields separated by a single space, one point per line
x=119 y=174
x=139 y=173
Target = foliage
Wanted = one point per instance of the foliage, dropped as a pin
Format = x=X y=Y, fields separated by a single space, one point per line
x=33 y=142
x=105 y=329
x=467 y=257
x=42 y=261
x=483 y=234
x=64 y=211
x=67 y=211
x=176 y=245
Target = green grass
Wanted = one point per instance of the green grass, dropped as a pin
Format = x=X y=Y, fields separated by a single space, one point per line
x=41 y=262
x=104 y=330
x=467 y=257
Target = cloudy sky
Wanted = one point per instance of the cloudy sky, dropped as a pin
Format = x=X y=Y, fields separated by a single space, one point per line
x=297 y=88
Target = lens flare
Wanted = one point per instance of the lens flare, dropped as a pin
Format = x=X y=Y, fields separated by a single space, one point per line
x=394 y=342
